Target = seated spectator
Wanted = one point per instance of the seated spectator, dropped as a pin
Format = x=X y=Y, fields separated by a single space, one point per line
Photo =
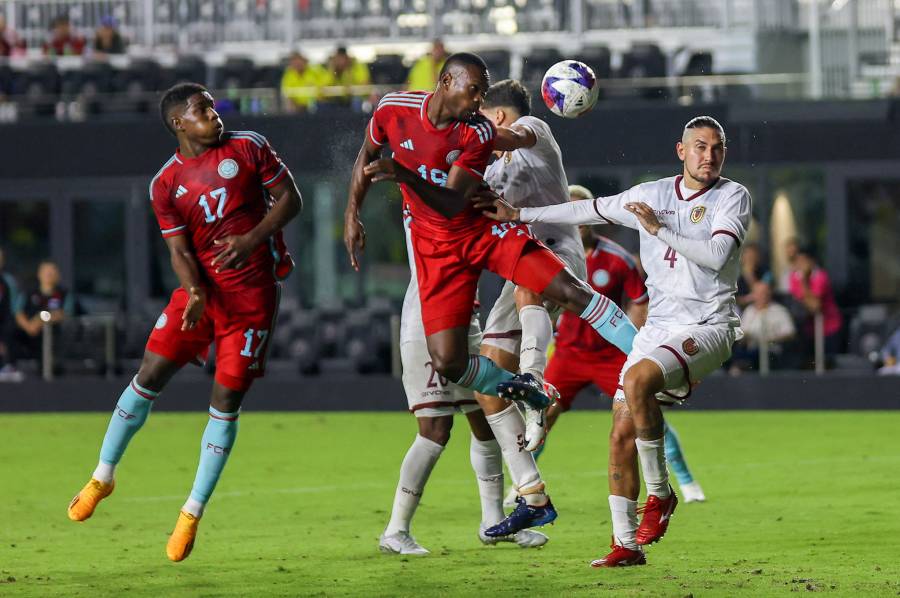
x=62 y=41
x=890 y=356
x=810 y=286
x=8 y=298
x=107 y=39
x=10 y=43
x=50 y=302
x=763 y=321
x=301 y=83
x=752 y=271
x=345 y=71
x=424 y=73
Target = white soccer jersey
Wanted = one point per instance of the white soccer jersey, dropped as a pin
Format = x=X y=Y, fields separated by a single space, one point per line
x=683 y=292
x=535 y=176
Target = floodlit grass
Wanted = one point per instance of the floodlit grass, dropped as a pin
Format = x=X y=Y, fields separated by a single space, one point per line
x=798 y=502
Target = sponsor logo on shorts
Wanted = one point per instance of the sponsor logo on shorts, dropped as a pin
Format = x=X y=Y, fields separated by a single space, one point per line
x=453 y=157
x=228 y=168
x=697 y=214
x=161 y=321
x=690 y=347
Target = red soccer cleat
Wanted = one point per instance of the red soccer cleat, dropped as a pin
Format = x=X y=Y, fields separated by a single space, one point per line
x=620 y=557
x=657 y=512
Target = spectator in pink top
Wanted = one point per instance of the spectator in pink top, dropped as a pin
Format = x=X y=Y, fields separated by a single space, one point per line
x=810 y=286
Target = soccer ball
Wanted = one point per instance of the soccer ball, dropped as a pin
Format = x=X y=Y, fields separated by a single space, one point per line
x=570 y=88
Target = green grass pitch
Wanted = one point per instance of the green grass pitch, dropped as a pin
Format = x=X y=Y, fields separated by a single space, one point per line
x=798 y=502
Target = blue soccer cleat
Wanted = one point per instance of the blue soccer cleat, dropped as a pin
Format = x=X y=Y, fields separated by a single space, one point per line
x=525 y=387
x=523 y=517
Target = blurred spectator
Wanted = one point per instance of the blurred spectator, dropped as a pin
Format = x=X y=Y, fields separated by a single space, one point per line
x=62 y=41
x=424 y=72
x=107 y=39
x=791 y=249
x=49 y=302
x=8 y=297
x=10 y=43
x=301 y=83
x=763 y=319
x=810 y=286
x=752 y=271
x=890 y=355
x=345 y=71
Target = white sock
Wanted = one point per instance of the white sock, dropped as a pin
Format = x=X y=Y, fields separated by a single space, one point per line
x=487 y=461
x=414 y=472
x=194 y=507
x=105 y=472
x=624 y=520
x=537 y=330
x=653 y=465
x=509 y=430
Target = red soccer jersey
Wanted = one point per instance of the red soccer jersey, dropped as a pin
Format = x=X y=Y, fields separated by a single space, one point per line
x=614 y=273
x=221 y=192
x=401 y=121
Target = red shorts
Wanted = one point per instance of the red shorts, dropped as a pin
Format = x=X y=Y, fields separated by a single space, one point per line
x=241 y=324
x=448 y=270
x=571 y=371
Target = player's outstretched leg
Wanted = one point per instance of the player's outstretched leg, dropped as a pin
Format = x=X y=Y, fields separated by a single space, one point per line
x=642 y=381
x=420 y=459
x=690 y=488
x=215 y=447
x=132 y=410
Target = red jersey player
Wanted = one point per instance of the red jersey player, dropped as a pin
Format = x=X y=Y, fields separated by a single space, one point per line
x=441 y=147
x=221 y=202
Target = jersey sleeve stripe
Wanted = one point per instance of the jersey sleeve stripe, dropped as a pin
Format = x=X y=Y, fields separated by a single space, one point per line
x=158 y=174
x=171 y=232
x=254 y=134
x=596 y=209
x=722 y=231
x=372 y=133
x=253 y=140
x=477 y=132
x=399 y=104
x=278 y=175
x=488 y=130
x=642 y=299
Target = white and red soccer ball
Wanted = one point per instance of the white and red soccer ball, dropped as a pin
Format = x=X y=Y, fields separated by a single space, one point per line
x=570 y=88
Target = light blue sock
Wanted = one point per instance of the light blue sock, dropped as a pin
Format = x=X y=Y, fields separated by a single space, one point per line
x=482 y=375
x=129 y=415
x=610 y=322
x=675 y=458
x=215 y=446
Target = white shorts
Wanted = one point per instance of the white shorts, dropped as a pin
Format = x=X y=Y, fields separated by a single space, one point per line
x=685 y=355
x=429 y=394
x=502 y=328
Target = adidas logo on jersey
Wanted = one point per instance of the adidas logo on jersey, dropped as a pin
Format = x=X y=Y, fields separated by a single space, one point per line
x=408 y=144
x=180 y=191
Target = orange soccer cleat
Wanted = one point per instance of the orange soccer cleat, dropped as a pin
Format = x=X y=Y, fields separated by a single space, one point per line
x=181 y=542
x=84 y=503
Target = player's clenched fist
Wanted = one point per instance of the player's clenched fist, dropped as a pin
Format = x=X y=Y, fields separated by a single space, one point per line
x=354 y=238
x=193 y=311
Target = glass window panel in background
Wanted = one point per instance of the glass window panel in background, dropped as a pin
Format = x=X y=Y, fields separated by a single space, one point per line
x=25 y=236
x=873 y=220
x=99 y=239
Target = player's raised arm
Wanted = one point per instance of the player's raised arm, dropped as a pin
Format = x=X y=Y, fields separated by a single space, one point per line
x=354 y=232
x=514 y=137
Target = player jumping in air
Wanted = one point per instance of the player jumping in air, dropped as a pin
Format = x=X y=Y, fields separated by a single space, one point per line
x=221 y=202
x=441 y=148
x=691 y=227
x=530 y=173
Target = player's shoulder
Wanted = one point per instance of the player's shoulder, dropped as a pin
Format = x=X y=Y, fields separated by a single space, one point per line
x=609 y=248
x=402 y=101
x=251 y=138
x=663 y=185
x=730 y=188
x=163 y=175
x=539 y=126
x=480 y=127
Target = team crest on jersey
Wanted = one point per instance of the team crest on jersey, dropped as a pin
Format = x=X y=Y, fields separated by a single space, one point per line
x=600 y=278
x=690 y=347
x=697 y=214
x=161 y=321
x=453 y=157
x=228 y=168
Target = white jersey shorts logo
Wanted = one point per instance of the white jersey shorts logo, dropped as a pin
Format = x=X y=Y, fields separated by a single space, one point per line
x=228 y=168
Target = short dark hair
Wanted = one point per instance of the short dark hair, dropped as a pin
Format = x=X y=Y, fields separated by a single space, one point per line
x=464 y=59
x=177 y=95
x=706 y=122
x=509 y=93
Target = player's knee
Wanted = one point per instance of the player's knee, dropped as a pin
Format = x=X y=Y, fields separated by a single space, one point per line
x=436 y=429
x=449 y=365
x=638 y=385
x=621 y=440
x=525 y=297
